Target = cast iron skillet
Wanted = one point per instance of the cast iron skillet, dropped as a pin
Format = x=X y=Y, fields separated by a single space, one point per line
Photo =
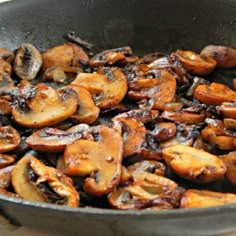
x=147 y=26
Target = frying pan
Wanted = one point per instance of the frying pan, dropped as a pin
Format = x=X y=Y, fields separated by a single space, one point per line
x=147 y=26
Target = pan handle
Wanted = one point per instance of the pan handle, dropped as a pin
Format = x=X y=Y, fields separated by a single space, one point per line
x=7 y=222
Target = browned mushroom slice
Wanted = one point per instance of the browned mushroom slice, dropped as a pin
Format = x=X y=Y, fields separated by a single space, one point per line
x=149 y=166
x=194 y=198
x=5 y=107
x=28 y=61
x=195 y=63
x=230 y=161
x=5 y=67
x=108 y=90
x=34 y=181
x=125 y=177
x=9 y=139
x=224 y=56
x=110 y=56
x=5 y=176
x=87 y=112
x=230 y=123
x=59 y=73
x=219 y=138
x=193 y=164
x=146 y=191
x=45 y=107
x=183 y=117
x=133 y=133
x=228 y=109
x=6 y=55
x=6 y=160
x=61 y=55
x=159 y=90
x=80 y=57
x=214 y=94
x=100 y=159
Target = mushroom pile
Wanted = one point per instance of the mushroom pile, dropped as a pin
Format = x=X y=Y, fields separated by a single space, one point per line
x=117 y=130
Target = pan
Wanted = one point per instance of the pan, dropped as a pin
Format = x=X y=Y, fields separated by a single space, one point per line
x=147 y=26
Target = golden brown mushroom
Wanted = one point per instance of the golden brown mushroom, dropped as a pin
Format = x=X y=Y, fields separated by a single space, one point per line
x=5 y=67
x=34 y=181
x=6 y=55
x=193 y=164
x=100 y=160
x=5 y=176
x=228 y=109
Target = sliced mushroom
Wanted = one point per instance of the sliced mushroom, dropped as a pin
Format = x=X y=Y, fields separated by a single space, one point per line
x=5 y=176
x=230 y=123
x=5 y=67
x=80 y=57
x=219 y=138
x=159 y=91
x=34 y=181
x=61 y=55
x=45 y=107
x=28 y=61
x=224 y=56
x=214 y=94
x=195 y=63
x=6 y=55
x=193 y=164
x=110 y=56
x=194 y=198
x=9 y=139
x=6 y=160
x=99 y=159
x=183 y=117
x=228 y=109
x=5 y=107
x=108 y=89
x=87 y=112
x=146 y=191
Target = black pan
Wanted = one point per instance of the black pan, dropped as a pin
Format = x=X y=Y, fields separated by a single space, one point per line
x=147 y=26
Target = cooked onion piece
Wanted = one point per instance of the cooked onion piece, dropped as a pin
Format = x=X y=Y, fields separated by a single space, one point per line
x=9 y=139
x=193 y=198
x=28 y=61
x=99 y=159
x=34 y=181
x=193 y=164
x=107 y=89
x=195 y=63
x=214 y=94
x=224 y=56
x=46 y=107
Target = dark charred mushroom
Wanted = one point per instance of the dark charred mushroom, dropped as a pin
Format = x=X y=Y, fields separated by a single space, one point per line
x=28 y=61
x=99 y=159
x=34 y=181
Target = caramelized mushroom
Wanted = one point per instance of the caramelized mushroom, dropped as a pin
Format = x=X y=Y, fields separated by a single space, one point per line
x=5 y=176
x=34 y=181
x=230 y=123
x=5 y=67
x=6 y=55
x=214 y=94
x=6 y=160
x=9 y=139
x=100 y=159
x=193 y=164
x=195 y=63
x=224 y=56
x=80 y=57
x=110 y=56
x=28 y=61
x=45 y=107
x=228 y=109
x=194 y=198
x=108 y=89
x=87 y=112
x=5 y=107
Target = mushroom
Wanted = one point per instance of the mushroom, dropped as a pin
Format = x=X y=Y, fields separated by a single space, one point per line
x=9 y=139
x=107 y=89
x=87 y=112
x=230 y=123
x=28 y=61
x=228 y=109
x=5 y=67
x=55 y=140
x=34 y=181
x=195 y=63
x=193 y=164
x=6 y=55
x=159 y=91
x=6 y=160
x=7 y=193
x=224 y=56
x=80 y=57
x=110 y=56
x=5 y=176
x=45 y=106
x=194 y=198
x=214 y=94
x=99 y=160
